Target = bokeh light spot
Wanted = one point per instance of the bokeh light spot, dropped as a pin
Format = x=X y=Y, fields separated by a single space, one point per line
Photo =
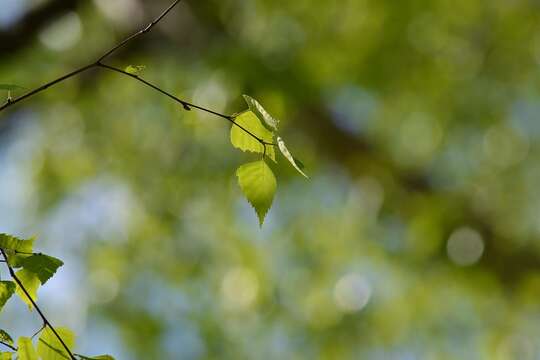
x=63 y=33
x=239 y=289
x=352 y=292
x=465 y=246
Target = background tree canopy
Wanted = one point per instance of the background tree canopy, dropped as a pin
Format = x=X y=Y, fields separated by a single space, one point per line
x=416 y=237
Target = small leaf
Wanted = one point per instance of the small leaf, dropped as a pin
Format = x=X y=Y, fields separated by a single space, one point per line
x=288 y=156
x=98 y=357
x=10 y=87
x=261 y=113
x=134 y=69
x=7 y=288
x=244 y=141
x=4 y=336
x=50 y=348
x=258 y=184
x=26 y=350
x=17 y=249
x=31 y=282
x=42 y=265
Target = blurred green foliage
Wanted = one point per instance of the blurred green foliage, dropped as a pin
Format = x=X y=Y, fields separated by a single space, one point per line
x=416 y=237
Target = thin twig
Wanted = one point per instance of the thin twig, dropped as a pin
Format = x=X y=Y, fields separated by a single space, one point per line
x=183 y=102
x=45 y=321
x=140 y=32
x=99 y=63
x=13 y=101
x=147 y=28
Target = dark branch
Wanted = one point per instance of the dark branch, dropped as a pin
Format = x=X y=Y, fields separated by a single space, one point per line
x=99 y=63
x=8 y=345
x=45 y=86
x=140 y=32
x=45 y=321
x=184 y=103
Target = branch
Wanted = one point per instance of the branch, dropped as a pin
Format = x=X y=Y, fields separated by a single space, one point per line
x=91 y=65
x=140 y=32
x=45 y=321
x=8 y=345
x=45 y=86
x=99 y=63
x=185 y=104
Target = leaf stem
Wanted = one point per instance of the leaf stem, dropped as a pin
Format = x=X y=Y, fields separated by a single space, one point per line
x=45 y=321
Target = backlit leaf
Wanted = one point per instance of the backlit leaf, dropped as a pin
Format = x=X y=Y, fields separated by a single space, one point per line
x=31 y=283
x=134 y=69
x=50 y=348
x=42 y=265
x=258 y=184
x=16 y=249
x=4 y=336
x=244 y=141
x=26 y=350
x=261 y=113
x=7 y=288
x=98 y=357
x=297 y=165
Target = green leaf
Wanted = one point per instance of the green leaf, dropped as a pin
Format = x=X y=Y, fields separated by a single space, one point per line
x=16 y=249
x=6 y=355
x=244 y=141
x=50 y=348
x=7 y=288
x=4 y=337
x=261 y=113
x=10 y=87
x=98 y=357
x=288 y=156
x=134 y=69
x=44 y=266
x=31 y=282
x=26 y=350
x=258 y=184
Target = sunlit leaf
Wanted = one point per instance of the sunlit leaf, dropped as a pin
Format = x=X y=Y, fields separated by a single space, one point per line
x=42 y=265
x=5 y=337
x=31 y=283
x=7 y=288
x=16 y=249
x=288 y=156
x=244 y=141
x=261 y=113
x=25 y=349
x=258 y=184
x=98 y=357
x=50 y=348
x=134 y=69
